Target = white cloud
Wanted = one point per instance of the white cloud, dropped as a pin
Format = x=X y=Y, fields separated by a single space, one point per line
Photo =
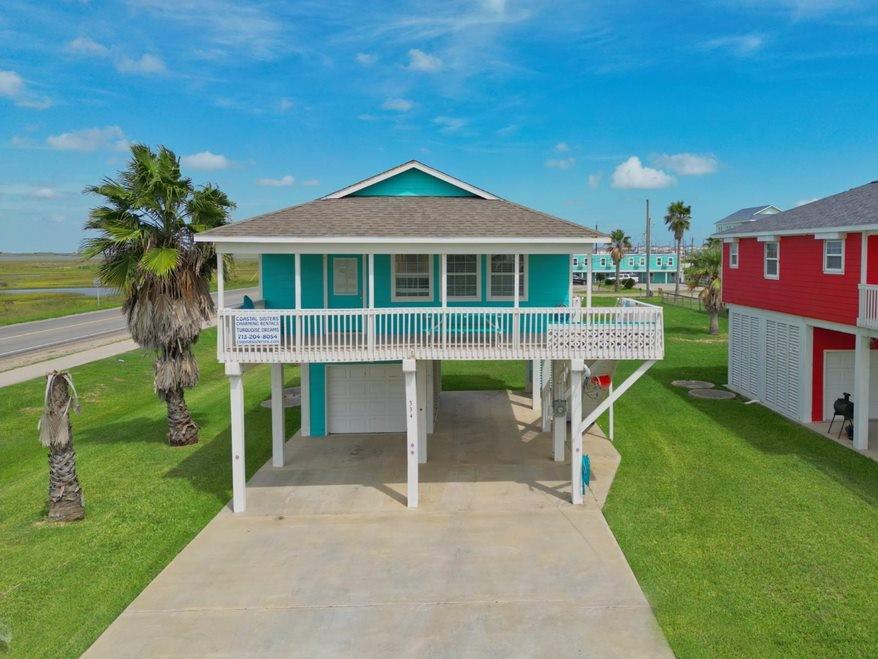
x=561 y=147
x=594 y=180
x=87 y=47
x=282 y=182
x=398 y=104
x=311 y=182
x=631 y=174
x=449 y=124
x=366 y=59
x=13 y=87
x=367 y=117
x=285 y=104
x=802 y=202
x=421 y=61
x=560 y=163
x=146 y=65
x=688 y=164
x=206 y=160
x=740 y=45
x=44 y=193
x=509 y=129
x=90 y=139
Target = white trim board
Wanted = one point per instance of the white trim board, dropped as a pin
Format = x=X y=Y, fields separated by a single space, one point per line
x=501 y=246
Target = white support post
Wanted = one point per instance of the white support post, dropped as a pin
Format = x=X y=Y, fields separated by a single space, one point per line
x=443 y=271
x=516 y=329
x=298 y=300
x=536 y=385
x=277 y=415
x=861 y=392
x=612 y=398
x=220 y=303
x=515 y=295
x=570 y=281
x=409 y=367
x=559 y=421
x=588 y=284
x=236 y=396
x=370 y=299
x=576 y=371
x=422 y=411
x=325 y=281
x=612 y=413
x=305 y=390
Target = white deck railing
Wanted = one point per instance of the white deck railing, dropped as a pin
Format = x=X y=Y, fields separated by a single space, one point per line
x=342 y=335
x=868 y=316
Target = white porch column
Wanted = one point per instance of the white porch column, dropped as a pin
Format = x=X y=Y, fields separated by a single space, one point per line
x=297 y=276
x=220 y=303
x=559 y=422
x=409 y=367
x=588 y=283
x=861 y=392
x=236 y=395
x=443 y=279
x=536 y=385
x=422 y=410
x=305 y=390
x=576 y=369
x=515 y=296
x=277 y=415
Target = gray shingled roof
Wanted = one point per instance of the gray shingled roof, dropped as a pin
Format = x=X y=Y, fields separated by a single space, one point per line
x=743 y=214
x=405 y=217
x=853 y=208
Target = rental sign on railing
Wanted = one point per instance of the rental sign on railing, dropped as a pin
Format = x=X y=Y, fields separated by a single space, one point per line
x=257 y=329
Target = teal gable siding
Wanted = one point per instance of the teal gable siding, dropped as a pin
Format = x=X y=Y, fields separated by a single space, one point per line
x=278 y=281
x=412 y=183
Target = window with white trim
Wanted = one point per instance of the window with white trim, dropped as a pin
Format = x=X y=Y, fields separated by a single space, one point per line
x=345 y=280
x=575 y=261
x=658 y=261
x=603 y=261
x=670 y=261
x=412 y=277
x=462 y=272
x=733 y=255
x=642 y=261
x=501 y=276
x=833 y=257
x=772 y=260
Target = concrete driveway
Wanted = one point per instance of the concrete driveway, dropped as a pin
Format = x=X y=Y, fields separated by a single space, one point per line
x=329 y=562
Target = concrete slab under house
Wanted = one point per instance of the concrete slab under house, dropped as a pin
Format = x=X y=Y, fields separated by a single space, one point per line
x=369 y=289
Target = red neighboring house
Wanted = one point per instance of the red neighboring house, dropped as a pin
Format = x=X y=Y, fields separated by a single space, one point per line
x=801 y=287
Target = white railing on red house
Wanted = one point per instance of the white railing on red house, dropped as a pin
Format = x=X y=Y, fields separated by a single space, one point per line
x=868 y=315
x=342 y=335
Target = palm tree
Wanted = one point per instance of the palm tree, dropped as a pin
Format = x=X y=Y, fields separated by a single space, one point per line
x=146 y=238
x=678 y=219
x=619 y=244
x=705 y=268
x=65 y=494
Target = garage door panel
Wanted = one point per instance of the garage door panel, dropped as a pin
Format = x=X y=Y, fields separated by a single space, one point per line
x=365 y=398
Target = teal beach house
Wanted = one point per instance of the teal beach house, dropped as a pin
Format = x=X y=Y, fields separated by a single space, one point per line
x=662 y=267
x=370 y=288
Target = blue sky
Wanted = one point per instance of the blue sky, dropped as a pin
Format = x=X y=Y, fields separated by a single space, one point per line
x=582 y=109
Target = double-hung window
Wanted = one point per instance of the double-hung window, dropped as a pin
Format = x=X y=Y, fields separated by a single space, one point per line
x=833 y=257
x=462 y=271
x=772 y=260
x=658 y=261
x=501 y=277
x=412 y=277
x=733 y=255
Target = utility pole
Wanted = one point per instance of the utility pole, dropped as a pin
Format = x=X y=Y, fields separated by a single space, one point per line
x=648 y=249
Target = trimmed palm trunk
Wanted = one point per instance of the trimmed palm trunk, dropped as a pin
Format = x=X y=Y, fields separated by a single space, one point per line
x=56 y=433
x=677 y=276
x=618 y=267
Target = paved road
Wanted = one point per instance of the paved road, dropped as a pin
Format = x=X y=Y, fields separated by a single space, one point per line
x=24 y=338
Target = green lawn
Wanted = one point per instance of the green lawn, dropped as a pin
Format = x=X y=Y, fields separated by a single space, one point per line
x=750 y=535
x=24 y=307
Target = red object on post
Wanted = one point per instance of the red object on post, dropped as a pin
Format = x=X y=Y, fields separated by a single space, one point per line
x=603 y=381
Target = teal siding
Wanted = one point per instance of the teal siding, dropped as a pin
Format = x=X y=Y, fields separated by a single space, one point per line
x=318 y=399
x=412 y=183
x=278 y=281
x=312 y=281
x=629 y=263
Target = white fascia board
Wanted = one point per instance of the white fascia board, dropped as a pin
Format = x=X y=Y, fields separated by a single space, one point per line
x=806 y=232
x=414 y=164
x=767 y=238
x=499 y=246
x=730 y=240
x=789 y=318
x=830 y=235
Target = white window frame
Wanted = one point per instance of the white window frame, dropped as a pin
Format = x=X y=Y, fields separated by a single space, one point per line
x=826 y=269
x=670 y=261
x=394 y=297
x=603 y=261
x=478 y=295
x=642 y=261
x=524 y=276
x=734 y=255
x=339 y=260
x=658 y=262
x=765 y=259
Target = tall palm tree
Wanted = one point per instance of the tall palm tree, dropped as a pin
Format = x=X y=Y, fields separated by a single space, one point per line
x=678 y=220
x=705 y=270
x=146 y=230
x=66 y=503
x=620 y=243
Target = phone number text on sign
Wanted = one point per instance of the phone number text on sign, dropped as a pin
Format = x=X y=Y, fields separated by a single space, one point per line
x=257 y=329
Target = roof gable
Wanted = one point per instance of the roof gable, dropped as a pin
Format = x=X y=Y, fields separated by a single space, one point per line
x=411 y=179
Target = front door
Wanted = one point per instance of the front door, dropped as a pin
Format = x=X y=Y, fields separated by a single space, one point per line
x=345 y=281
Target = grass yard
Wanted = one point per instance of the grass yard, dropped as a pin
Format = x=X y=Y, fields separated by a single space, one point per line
x=751 y=535
x=24 y=307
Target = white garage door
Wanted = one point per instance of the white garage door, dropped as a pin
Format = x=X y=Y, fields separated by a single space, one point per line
x=838 y=377
x=365 y=398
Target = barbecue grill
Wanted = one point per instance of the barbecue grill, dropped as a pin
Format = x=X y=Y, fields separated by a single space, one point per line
x=843 y=407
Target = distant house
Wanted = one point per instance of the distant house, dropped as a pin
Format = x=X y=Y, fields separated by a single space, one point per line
x=744 y=215
x=802 y=291
x=662 y=270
